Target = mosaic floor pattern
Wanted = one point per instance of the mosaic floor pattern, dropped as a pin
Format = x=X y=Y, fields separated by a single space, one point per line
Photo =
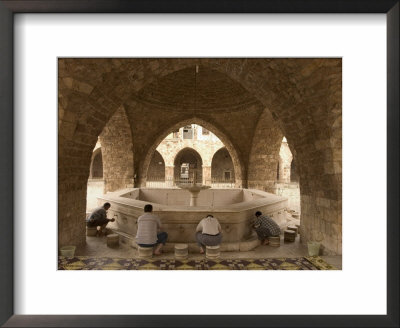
x=105 y=263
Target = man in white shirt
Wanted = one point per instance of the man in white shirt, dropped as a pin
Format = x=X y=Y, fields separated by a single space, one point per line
x=149 y=231
x=208 y=232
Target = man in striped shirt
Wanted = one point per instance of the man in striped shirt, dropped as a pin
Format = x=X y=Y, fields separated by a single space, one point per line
x=149 y=231
x=265 y=227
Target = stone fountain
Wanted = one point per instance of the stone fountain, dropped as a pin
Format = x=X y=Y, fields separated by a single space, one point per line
x=234 y=208
x=194 y=189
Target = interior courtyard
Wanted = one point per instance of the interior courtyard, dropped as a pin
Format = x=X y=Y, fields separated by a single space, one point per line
x=254 y=133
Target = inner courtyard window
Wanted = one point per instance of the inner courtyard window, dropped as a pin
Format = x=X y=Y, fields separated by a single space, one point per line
x=188 y=132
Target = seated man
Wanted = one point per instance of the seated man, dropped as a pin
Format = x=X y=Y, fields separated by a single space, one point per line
x=149 y=231
x=99 y=218
x=265 y=227
x=208 y=232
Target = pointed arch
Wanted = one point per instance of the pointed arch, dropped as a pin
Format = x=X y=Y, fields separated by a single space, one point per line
x=156 y=171
x=222 y=169
x=96 y=166
x=237 y=162
x=193 y=162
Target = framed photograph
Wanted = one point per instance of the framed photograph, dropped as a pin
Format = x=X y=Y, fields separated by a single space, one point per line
x=104 y=96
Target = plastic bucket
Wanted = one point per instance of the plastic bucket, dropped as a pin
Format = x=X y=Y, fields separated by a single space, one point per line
x=67 y=251
x=313 y=248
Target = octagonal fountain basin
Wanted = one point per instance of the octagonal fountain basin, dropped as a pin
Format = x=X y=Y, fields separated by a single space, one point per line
x=234 y=209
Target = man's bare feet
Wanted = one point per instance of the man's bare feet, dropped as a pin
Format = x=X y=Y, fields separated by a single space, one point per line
x=265 y=242
x=201 y=250
x=157 y=250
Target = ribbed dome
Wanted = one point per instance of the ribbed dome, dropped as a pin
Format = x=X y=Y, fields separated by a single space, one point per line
x=186 y=90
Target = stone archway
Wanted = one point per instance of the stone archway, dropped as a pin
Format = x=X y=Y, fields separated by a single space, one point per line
x=156 y=171
x=303 y=97
x=239 y=170
x=96 y=167
x=188 y=166
x=95 y=183
x=285 y=160
x=222 y=170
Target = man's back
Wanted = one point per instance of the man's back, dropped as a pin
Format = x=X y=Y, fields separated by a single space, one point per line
x=98 y=214
x=269 y=224
x=148 y=225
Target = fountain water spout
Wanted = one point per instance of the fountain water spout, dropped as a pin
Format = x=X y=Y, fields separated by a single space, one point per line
x=194 y=189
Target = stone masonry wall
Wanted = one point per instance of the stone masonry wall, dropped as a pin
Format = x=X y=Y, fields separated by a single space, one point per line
x=116 y=142
x=264 y=154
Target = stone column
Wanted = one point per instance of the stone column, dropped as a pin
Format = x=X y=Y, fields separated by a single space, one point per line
x=193 y=197
x=206 y=175
x=169 y=176
x=286 y=172
x=280 y=170
x=139 y=182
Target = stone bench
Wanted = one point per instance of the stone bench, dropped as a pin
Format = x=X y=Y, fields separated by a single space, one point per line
x=181 y=251
x=145 y=252
x=91 y=231
x=112 y=240
x=292 y=227
x=274 y=241
x=289 y=235
x=212 y=252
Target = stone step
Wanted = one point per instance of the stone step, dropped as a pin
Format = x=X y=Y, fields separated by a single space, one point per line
x=243 y=246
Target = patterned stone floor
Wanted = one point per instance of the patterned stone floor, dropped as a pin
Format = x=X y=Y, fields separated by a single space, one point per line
x=95 y=255
x=106 y=263
x=96 y=248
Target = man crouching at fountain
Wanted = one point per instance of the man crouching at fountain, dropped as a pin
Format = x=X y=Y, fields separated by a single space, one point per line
x=208 y=232
x=149 y=231
x=99 y=218
x=265 y=227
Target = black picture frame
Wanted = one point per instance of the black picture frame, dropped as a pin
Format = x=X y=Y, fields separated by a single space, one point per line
x=10 y=7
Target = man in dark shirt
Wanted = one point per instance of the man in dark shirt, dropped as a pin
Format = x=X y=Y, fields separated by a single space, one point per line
x=265 y=227
x=99 y=218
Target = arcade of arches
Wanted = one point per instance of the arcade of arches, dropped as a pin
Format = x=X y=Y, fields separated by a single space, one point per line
x=190 y=155
x=131 y=105
x=191 y=150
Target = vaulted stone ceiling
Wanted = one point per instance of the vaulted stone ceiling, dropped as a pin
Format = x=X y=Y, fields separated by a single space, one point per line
x=193 y=92
x=197 y=89
x=250 y=103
